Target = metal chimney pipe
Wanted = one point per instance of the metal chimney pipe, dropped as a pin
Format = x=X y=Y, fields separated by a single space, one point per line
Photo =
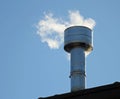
x=78 y=42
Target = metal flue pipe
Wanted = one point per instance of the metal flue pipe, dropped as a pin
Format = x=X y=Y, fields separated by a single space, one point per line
x=78 y=42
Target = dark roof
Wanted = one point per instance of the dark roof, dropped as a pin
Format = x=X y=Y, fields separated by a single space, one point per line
x=111 y=91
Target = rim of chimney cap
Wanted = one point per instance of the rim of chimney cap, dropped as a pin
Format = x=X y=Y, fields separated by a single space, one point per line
x=78 y=26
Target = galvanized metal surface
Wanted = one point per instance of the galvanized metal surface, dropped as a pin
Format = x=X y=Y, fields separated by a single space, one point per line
x=78 y=41
x=78 y=35
x=77 y=69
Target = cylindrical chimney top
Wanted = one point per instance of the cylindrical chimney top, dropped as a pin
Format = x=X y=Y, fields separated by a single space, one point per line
x=77 y=41
x=78 y=36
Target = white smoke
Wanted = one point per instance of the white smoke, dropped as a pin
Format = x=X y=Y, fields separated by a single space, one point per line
x=77 y=19
x=51 y=29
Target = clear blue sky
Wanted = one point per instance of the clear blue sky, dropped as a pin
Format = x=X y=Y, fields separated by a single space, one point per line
x=29 y=69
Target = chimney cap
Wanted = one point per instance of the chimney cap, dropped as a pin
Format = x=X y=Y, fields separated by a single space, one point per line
x=78 y=36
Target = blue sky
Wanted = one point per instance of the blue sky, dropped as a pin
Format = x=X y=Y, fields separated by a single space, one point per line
x=30 y=69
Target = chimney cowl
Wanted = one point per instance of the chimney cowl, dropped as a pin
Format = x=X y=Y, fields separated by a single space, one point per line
x=78 y=36
x=78 y=41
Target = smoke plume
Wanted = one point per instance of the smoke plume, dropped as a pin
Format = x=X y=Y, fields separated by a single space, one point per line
x=51 y=29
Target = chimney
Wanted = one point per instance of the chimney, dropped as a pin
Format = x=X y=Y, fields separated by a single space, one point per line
x=78 y=42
